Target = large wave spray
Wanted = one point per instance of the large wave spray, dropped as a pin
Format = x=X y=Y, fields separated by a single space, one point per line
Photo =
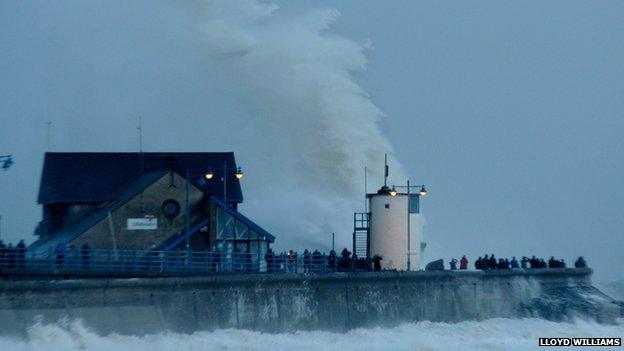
x=315 y=127
x=493 y=334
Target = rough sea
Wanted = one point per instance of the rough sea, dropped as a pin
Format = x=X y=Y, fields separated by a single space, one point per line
x=492 y=334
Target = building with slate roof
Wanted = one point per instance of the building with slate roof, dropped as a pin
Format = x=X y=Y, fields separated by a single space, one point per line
x=139 y=201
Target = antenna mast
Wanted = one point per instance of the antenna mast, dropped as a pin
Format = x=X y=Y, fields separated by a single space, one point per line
x=140 y=129
x=365 y=189
x=141 y=158
x=385 y=170
x=49 y=135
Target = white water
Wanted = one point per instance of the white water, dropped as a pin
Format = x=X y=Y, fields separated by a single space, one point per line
x=493 y=334
x=314 y=127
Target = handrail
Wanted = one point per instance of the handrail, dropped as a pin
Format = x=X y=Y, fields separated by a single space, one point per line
x=138 y=263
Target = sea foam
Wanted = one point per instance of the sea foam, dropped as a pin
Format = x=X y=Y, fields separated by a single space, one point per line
x=492 y=334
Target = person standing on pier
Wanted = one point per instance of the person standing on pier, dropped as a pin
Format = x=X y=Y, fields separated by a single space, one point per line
x=463 y=263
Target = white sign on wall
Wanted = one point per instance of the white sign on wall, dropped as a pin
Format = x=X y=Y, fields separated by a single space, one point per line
x=142 y=223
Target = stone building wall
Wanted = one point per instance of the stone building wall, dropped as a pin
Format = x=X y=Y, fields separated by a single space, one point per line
x=149 y=202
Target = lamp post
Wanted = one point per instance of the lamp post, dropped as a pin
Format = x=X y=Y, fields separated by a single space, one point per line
x=7 y=161
x=209 y=175
x=421 y=192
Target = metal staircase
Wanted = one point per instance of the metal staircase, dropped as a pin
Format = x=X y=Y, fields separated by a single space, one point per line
x=361 y=234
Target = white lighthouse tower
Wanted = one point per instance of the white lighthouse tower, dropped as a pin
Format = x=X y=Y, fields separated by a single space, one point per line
x=394 y=230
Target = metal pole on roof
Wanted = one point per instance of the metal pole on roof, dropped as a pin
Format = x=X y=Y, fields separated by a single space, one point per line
x=385 y=170
x=49 y=135
x=409 y=252
x=365 y=189
x=225 y=182
x=187 y=211
x=225 y=232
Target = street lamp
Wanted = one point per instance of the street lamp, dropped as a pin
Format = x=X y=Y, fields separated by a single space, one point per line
x=422 y=192
x=239 y=173
x=208 y=175
x=393 y=192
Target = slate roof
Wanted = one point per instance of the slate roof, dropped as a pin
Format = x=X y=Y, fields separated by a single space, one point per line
x=74 y=177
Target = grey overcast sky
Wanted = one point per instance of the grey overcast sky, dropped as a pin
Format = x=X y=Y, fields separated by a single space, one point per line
x=511 y=112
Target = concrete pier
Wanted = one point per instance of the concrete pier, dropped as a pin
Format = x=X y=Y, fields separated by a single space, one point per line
x=285 y=302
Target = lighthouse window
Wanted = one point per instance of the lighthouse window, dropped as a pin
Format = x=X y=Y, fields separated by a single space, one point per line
x=387 y=205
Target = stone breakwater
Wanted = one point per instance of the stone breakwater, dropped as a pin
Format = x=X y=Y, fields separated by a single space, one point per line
x=286 y=302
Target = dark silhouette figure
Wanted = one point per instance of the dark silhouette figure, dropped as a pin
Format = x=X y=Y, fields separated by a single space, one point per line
x=280 y=262
x=292 y=260
x=3 y=252
x=479 y=263
x=269 y=257
x=463 y=263
x=59 y=252
x=534 y=262
x=492 y=264
x=237 y=260
x=368 y=264
x=317 y=262
x=580 y=263
x=217 y=257
x=20 y=254
x=377 y=263
x=247 y=263
x=485 y=264
x=514 y=263
x=524 y=262
x=307 y=261
x=10 y=254
x=331 y=262
x=345 y=260
x=453 y=264
x=85 y=254
x=552 y=263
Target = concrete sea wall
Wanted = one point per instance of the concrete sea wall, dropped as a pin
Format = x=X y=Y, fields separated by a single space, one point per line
x=283 y=302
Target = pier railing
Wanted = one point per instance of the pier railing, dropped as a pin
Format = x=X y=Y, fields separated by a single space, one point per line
x=97 y=262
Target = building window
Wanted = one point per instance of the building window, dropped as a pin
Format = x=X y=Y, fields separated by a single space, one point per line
x=171 y=208
x=387 y=205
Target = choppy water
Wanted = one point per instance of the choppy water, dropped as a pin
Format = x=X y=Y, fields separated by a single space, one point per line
x=493 y=334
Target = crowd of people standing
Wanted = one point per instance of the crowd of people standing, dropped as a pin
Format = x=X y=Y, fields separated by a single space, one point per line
x=12 y=257
x=317 y=262
x=490 y=262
